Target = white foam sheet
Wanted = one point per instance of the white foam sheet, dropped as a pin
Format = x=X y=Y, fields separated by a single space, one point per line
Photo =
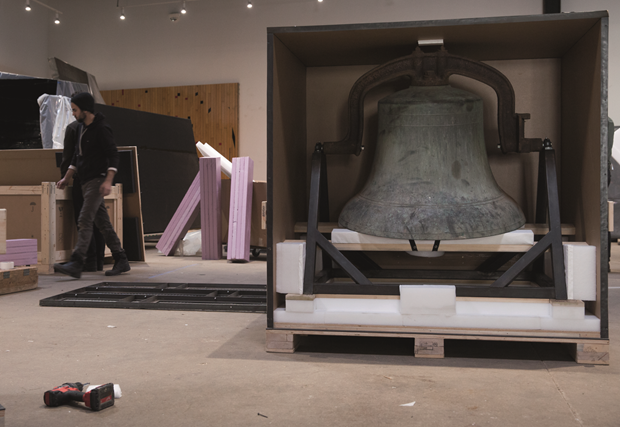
x=367 y=319
x=496 y=308
x=580 y=268
x=208 y=151
x=280 y=315
x=473 y=322
x=300 y=306
x=574 y=310
x=358 y=305
x=516 y=237
x=290 y=261
x=428 y=299
x=590 y=323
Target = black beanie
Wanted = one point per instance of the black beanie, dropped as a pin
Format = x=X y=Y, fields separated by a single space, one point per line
x=84 y=101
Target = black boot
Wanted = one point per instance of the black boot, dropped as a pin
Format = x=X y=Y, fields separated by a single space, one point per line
x=72 y=268
x=121 y=264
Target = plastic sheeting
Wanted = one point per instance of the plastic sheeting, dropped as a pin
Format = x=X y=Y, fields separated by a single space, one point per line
x=55 y=114
x=69 y=88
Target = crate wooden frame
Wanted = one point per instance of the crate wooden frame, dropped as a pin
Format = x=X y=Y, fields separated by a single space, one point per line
x=302 y=58
x=48 y=254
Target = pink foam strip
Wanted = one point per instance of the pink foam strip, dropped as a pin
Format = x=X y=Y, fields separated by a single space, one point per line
x=240 y=221
x=210 y=207
x=182 y=219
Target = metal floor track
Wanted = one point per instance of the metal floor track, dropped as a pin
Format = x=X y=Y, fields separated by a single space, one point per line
x=165 y=296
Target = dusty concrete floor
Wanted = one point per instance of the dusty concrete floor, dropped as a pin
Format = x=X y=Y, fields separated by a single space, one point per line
x=210 y=369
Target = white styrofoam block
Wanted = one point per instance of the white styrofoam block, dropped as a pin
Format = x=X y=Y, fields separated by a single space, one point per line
x=300 y=306
x=472 y=322
x=589 y=323
x=580 y=268
x=280 y=315
x=290 y=262
x=498 y=308
x=377 y=319
x=568 y=310
x=428 y=299
x=516 y=237
x=208 y=151
x=7 y=265
x=358 y=305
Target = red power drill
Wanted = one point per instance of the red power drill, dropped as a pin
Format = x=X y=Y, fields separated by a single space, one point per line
x=97 y=399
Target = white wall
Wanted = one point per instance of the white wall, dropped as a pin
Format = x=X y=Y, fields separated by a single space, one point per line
x=222 y=41
x=23 y=39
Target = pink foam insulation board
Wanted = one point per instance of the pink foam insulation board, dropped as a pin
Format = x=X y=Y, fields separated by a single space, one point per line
x=240 y=217
x=210 y=207
x=20 y=252
x=181 y=220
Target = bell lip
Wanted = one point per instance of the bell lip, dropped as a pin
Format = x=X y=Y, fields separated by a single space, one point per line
x=438 y=236
x=363 y=218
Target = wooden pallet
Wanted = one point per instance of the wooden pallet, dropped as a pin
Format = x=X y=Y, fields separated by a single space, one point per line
x=18 y=279
x=429 y=343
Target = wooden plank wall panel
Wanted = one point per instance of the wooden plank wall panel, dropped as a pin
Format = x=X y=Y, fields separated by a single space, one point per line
x=213 y=110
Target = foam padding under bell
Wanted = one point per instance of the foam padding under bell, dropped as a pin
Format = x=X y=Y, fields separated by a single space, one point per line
x=516 y=237
x=580 y=267
x=290 y=262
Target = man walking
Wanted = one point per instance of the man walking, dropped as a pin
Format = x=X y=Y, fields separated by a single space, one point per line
x=96 y=249
x=96 y=161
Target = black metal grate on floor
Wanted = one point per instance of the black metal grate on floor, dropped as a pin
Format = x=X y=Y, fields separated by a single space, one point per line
x=165 y=296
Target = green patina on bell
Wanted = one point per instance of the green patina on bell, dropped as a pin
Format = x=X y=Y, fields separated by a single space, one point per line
x=431 y=178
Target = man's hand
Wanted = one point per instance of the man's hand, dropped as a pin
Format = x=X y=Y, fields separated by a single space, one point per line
x=106 y=188
x=62 y=183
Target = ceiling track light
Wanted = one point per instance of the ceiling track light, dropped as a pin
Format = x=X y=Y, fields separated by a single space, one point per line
x=122 y=14
x=57 y=20
x=28 y=8
x=249 y=5
x=183 y=10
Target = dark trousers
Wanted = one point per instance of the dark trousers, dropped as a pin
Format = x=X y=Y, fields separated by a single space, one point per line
x=96 y=248
x=94 y=213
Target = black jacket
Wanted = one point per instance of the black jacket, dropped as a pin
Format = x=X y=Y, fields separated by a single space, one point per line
x=69 y=147
x=95 y=150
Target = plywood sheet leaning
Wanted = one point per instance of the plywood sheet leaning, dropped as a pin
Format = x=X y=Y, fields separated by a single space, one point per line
x=20 y=252
x=181 y=221
x=210 y=207
x=213 y=109
x=240 y=218
x=2 y=231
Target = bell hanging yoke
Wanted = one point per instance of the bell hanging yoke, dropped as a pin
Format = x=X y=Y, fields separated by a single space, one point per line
x=434 y=69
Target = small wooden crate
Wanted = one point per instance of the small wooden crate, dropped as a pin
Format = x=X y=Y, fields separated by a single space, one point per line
x=45 y=213
x=18 y=279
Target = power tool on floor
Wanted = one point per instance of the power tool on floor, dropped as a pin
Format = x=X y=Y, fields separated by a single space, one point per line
x=96 y=399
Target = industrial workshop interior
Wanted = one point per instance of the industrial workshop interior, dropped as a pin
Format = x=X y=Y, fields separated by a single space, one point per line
x=309 y=213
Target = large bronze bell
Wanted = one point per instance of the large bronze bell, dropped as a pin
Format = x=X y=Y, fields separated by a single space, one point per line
x=431 y=178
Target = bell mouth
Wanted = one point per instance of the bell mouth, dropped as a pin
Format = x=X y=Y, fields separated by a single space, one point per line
x=427 y=222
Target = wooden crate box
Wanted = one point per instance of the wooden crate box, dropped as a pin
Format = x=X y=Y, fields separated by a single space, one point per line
x=557 y=65
x=45 y=213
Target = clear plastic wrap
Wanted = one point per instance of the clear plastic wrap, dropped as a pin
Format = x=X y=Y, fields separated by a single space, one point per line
x=55 y=115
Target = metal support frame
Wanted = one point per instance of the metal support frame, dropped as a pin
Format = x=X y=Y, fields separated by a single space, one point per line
x=547 y=205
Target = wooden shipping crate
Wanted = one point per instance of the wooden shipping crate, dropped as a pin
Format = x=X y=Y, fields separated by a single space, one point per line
x=557 y=65
x=45 y=213
x=18 y=279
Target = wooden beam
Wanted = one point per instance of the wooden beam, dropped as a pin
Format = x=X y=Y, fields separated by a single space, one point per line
x=18 y=279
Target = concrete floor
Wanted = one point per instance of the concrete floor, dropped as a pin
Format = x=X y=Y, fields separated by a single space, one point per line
x=210 y=369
